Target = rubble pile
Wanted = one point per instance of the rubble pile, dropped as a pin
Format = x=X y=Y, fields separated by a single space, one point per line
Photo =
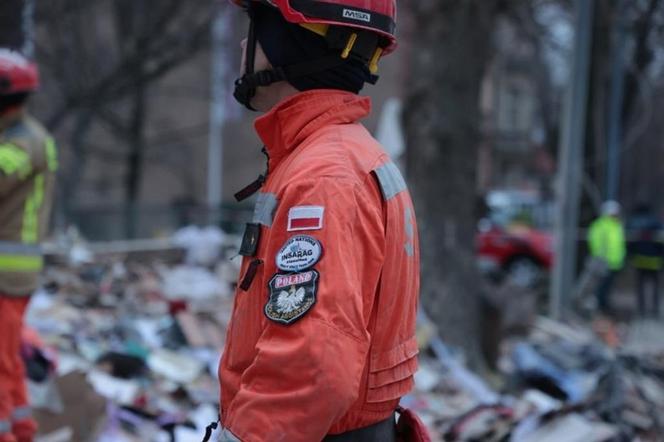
x=587 y=382
x=125 y=349
x=132 y=346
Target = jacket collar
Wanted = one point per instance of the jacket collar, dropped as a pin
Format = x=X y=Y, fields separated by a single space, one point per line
x=296 y=118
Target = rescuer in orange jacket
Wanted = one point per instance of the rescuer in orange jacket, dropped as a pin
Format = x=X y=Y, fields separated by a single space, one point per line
x=28 y=161
x=321 y=344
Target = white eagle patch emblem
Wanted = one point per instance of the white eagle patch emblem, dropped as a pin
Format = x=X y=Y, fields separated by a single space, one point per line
x=291 y=296
x=288 y=301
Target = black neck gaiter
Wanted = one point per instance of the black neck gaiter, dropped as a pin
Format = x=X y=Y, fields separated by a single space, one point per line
x=287 y=44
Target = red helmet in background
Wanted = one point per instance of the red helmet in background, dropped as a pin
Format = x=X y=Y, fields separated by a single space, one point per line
x=372 y=15
x=17 y=73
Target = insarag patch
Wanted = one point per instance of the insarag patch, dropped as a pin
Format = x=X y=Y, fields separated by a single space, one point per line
x=299 y=253
x=291 y=296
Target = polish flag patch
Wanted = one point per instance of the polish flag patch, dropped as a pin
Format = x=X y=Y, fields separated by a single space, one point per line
x=305 y=218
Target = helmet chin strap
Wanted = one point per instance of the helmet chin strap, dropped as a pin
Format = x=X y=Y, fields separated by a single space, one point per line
x=246 y=86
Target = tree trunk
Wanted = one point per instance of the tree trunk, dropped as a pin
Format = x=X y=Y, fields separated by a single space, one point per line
x=135 y=160
x=638 y=167
x=640 y=21
x=642 y=56
x=70 y=181
x=598 y=99
x=451 y=51
x=137 y=27
x=11 y=24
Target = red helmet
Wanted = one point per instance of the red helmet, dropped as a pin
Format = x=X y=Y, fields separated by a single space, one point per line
x=17 y=73
x=373 y=15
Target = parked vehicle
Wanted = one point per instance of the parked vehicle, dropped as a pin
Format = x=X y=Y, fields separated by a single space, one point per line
x=509 y=245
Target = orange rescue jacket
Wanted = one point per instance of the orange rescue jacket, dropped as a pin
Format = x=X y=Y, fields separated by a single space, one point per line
x=322 y=336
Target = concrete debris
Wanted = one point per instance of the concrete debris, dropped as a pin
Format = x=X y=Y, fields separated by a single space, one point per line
x=192 y=283
x=570 y=428
x=202 y=244
x=562 y=382
x=134 y=340
x=179 y=368
x=131 y=346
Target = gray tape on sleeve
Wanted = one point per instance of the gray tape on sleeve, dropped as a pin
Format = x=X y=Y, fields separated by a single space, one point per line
x=264 y=209
x=390 y=179
x=227 y=436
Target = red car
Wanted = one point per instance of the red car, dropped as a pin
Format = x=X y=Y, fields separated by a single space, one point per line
x=523 y=254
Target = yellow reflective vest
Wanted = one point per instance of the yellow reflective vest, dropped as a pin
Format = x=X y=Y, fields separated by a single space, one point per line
x=606 y=239
x=28 y=164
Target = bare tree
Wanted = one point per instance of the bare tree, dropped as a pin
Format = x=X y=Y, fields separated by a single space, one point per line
x=11 y=23
x=105 y=56
x=452 y=49
x=642 y=178
x=525 y=17
x=642 y=25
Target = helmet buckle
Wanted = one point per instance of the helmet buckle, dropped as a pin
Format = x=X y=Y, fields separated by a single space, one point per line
x=373 y=63
x=349 y=46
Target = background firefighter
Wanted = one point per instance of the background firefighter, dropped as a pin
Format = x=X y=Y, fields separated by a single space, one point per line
x=28 y=162
x=606 y=239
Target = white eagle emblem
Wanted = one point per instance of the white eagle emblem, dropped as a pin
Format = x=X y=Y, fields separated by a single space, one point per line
x=289 y=301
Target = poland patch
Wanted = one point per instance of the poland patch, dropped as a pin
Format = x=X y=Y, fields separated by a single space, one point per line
x=299 y=253
x=291 y=296
x=305 y=218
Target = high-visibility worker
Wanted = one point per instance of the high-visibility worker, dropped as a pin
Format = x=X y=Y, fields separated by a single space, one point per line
x=606 y=239
x=321 y=344
x=28 y=162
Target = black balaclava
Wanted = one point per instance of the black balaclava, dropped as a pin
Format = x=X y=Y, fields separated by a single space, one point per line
x=12 y=101
x=287 y=44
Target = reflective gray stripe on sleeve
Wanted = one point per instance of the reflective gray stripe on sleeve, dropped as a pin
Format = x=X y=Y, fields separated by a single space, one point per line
x=410 y=232
x=21 y=413
x=5 y=427
x=18 y=248
x=264 y=209
x=390 y=179
x=227 y=436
